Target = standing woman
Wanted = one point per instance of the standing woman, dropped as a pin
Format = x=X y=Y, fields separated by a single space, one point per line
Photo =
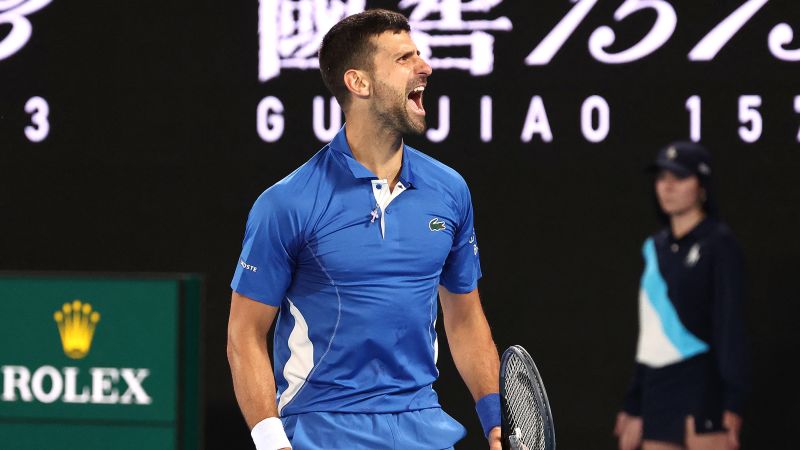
x=690 y=379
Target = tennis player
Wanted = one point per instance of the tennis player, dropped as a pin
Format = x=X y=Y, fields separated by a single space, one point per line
x=347 y=255
x=690 y=381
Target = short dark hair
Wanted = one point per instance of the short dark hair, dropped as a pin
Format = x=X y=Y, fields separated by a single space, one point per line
x=347 y=46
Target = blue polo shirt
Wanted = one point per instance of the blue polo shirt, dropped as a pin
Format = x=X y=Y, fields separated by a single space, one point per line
x=354 y=269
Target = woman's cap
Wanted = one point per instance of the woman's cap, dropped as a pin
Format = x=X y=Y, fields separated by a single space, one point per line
x=683 y=159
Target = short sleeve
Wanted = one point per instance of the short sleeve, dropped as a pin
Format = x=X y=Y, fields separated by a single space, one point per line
x=265 y=266
x=462 y=268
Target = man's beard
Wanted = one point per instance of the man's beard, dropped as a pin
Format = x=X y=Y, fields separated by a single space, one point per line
x=390 y=111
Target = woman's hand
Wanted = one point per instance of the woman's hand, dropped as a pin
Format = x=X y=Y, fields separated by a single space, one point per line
x=628 y=430
x=733 y=423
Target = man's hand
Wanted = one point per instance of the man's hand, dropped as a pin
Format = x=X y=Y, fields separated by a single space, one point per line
x=494 y=439
x=628 y=430
x=733 y=423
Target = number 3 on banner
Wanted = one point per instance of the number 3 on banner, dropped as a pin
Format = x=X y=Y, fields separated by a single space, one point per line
x=39 y=110
x=662 y=30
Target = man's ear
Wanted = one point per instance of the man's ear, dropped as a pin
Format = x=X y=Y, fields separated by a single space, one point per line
x=358 y=83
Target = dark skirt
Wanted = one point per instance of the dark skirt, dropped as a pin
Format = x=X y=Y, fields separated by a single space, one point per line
x=689 y=388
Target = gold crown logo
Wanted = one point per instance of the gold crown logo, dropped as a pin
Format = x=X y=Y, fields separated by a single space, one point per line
x=76 y=323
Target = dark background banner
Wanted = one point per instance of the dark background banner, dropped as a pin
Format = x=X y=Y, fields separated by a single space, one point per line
x=135 y=137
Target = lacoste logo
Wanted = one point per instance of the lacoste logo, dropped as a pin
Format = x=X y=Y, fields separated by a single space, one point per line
x=436 y=225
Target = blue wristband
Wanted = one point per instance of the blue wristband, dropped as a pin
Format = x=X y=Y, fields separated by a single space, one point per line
x=488 y=408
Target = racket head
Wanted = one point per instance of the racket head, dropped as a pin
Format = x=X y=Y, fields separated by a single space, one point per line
x=524 y=403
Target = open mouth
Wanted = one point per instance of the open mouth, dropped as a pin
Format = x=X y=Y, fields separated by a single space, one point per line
x=415 y=100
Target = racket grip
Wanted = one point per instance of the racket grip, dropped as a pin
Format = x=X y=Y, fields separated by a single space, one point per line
x=513 y=442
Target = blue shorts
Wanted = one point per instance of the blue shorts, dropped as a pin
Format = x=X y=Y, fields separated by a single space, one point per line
x=425 y=429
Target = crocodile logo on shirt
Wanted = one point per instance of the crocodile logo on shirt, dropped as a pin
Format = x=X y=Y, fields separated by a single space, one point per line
x=436 y=225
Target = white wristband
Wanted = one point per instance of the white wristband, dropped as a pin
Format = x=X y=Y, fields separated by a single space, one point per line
x=269 y=435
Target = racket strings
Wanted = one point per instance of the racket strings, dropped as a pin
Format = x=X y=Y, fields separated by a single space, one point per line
x=523 y=409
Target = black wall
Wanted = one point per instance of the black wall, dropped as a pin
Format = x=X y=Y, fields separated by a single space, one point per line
x=153 y=159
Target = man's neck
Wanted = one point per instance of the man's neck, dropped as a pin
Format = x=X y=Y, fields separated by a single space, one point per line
x=378 y=149
x=685 y=222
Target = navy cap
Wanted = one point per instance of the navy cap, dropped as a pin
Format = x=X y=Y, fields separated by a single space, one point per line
x=683 y=159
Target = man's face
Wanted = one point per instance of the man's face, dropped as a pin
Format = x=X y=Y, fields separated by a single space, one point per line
x=399 y=79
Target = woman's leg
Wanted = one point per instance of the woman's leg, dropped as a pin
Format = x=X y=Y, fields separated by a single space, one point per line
x=660 y=445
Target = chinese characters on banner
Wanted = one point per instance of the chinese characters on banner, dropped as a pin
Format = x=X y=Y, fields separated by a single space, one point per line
x=290 y=32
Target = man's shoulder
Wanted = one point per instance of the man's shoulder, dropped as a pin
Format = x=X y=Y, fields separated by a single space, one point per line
x=306 y=172
x=294 y=191
x=428 y=168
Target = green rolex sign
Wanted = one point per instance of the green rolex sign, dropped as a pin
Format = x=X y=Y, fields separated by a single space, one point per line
x=99 y=363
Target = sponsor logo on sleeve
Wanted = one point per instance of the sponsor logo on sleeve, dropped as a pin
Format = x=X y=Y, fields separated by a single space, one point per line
x=246 y=266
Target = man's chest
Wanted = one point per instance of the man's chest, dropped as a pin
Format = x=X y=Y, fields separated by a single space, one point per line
x=356 y=238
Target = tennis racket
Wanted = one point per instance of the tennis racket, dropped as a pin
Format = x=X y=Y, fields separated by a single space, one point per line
x=527 y=423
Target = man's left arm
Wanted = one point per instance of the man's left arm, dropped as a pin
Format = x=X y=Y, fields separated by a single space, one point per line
x=474 y=354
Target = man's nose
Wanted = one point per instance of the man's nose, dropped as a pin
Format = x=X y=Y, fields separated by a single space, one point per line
x=424 y=68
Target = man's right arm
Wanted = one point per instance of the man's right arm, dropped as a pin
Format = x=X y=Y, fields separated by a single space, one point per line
x=253 y=380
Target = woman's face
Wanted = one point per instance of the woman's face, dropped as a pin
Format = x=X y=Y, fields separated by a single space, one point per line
x=677 y=195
